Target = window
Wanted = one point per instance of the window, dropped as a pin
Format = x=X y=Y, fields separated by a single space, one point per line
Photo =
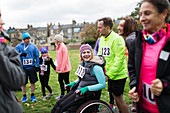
x=76 y=29
x=69 y=30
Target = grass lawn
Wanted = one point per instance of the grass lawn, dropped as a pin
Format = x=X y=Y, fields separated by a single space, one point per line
x=45 y=106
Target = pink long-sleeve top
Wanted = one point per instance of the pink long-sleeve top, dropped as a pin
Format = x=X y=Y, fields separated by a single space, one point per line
x=62 y=59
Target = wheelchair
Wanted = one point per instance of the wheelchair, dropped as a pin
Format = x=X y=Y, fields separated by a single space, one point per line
x=93 y=106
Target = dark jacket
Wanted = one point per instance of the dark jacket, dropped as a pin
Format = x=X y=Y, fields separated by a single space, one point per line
x=12 y=77
x=89 y=79
x=163 y=71
x=129 y=38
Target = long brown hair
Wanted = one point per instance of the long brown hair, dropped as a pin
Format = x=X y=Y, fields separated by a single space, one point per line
x=130 y=26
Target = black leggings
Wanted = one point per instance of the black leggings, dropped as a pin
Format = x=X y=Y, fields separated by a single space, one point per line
x=63 y=77
x=44 y=83
x=72 y=101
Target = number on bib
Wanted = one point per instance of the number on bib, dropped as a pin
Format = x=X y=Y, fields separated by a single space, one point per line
x=80 y=71
x=27 y=61
x=147 y=93
x=44 y=67
x=106 y=51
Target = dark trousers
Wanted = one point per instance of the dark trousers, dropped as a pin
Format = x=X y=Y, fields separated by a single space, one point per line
x=44 y=83
x=72 y=101
x=63 y=77
x=111 y=98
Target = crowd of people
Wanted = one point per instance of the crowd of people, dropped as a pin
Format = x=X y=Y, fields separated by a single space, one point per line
x=143 y=56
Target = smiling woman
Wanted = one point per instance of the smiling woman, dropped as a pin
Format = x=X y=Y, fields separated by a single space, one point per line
x=153 y=16
x=88 y=85
x=149 y=59
x=86 y=53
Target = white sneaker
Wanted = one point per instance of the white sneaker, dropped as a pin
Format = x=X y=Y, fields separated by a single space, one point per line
x=59 y=97
x=50 y=94
x=44 y=98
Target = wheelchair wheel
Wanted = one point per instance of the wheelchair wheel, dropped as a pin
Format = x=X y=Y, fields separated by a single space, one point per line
x=94 y=106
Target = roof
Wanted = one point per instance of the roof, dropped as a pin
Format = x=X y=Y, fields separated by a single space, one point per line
x=41 y=28
x=72 y=26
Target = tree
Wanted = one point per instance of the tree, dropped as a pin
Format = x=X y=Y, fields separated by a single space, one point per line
x=135 y=14
x=90 y=31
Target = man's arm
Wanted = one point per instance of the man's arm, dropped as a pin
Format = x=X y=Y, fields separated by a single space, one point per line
x=18 y=50
x=119 y=51
x=37 y=56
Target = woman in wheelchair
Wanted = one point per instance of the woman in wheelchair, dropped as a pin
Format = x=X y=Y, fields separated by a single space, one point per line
x=88 y=86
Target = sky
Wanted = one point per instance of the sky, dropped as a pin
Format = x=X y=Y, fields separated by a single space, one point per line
x=19 y=13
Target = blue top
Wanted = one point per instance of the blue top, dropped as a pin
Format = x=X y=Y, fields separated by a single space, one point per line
x=28 y=62
x=96 y=47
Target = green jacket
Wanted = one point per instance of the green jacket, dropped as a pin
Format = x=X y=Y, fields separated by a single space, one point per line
x=113 y=49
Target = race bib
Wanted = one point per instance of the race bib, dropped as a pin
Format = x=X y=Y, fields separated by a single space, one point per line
x=43 y=67
x=164 y=55
x=147 y=93
x=27 y=61
x=106 y=51
x=80 y=71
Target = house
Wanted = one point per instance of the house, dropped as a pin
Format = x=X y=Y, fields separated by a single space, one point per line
x=44 y=36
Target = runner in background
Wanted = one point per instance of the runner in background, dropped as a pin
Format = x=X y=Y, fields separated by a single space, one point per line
x=127 y=28
x=110 y=95
x=44 y=73
x=149 y=59
x=63 y=64
x=112 y=47
x=29 y=55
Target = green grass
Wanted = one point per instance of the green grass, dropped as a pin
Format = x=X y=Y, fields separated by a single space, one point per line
x=45 y=106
